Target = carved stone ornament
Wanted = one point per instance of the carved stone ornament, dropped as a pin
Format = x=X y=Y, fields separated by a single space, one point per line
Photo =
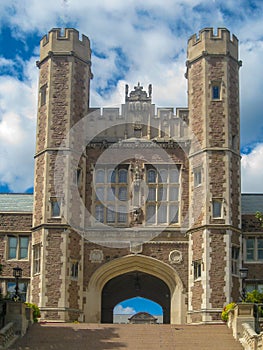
x=175 y=257
x=135 y=248
x=96 y=256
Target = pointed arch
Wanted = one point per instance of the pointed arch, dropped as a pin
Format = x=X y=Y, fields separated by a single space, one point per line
x=131 y=263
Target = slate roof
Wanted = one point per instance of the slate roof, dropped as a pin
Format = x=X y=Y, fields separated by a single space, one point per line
x=23 y=202
x=251 y=203
x=16 y=202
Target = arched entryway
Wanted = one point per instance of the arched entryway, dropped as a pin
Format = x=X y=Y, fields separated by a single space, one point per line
x=132 y=284
x=130 y=264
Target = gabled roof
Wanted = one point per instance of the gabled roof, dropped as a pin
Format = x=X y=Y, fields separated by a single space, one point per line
x=16 y=202
x=251 y=203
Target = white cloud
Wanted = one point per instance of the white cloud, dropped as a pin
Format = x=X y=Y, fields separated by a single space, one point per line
x=252 y=170
x=17 y=129
x=5 y=62
x=120 y=310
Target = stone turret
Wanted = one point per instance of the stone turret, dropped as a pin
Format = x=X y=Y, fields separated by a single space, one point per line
x=64 y=90
x=214 y=203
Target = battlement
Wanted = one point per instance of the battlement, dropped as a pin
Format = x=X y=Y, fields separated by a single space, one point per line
x=65 y=42
x=211 y=43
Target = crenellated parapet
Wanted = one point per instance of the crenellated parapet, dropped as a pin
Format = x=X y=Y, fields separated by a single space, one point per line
x=210 y=43
x=66 y=42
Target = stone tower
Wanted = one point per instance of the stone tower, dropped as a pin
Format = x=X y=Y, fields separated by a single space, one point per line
x=64 y=78
x=214 y=200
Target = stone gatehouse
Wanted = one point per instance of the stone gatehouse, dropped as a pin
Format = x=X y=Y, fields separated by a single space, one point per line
x=137 y=200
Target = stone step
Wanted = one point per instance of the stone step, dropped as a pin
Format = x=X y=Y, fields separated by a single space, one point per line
x=68 y=336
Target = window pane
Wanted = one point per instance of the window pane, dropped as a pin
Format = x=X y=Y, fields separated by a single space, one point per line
x=111 y=176
x=12 y=242
x=217 y=209
x=197 y=269
x=173 y=193
x=174 y=175
x=216 y=91
x=110 y=215
x=55 y=207
x=163 y=176
x=36 y=258
x=197 y=177
x=162 y=214
x=123 y=193
x=260 y=249
x=100 y=193
x=111 y=194
x=22 y=289
x=23 y=247
x=250 y=287
x=162 y=194
x=100 y=176
x=250 y=242
x=260 y=243
x=152 y=194
x=173 y=214
x=99 y=213
x=235 y=253
x=151 y=176
x=150 y=214
x=122 y=214
x=123 y=176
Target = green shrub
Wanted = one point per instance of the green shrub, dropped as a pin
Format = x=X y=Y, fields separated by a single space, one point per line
x=254 y=297
x=257 y=298
x=227 y=308
x=36 y=311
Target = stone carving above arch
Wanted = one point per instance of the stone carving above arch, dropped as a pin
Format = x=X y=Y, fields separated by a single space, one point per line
x=175 y=257
x=96 y=256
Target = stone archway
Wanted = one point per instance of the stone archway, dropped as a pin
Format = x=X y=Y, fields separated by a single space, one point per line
x=132 y=263
x=130 y=285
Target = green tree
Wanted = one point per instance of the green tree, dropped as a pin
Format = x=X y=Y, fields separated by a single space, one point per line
x=259 y=216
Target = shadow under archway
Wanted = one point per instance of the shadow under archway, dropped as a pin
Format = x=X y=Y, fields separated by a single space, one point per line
x=133 y=284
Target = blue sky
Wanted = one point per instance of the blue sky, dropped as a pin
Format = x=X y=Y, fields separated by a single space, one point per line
x=132 y=40
x=138 y=304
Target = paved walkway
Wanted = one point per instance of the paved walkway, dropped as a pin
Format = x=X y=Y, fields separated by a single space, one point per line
x=126 y=337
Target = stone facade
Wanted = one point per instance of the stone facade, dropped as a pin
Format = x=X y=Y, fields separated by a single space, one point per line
x=144 y=193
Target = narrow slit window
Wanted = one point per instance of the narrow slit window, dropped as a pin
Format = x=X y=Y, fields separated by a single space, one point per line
x=43 y=95
x=216 y=92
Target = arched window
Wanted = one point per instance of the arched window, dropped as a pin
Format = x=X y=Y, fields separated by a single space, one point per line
x=111 y=176
x=151 y=176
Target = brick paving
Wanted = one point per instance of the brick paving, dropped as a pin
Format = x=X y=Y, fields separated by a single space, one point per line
x=71 y=336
